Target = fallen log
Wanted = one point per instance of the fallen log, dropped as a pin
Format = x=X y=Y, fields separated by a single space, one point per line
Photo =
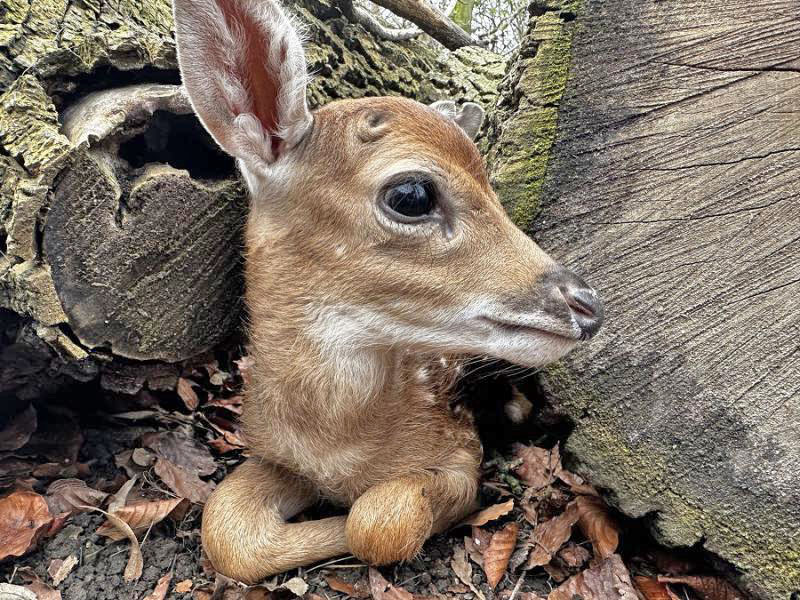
x=119 y=217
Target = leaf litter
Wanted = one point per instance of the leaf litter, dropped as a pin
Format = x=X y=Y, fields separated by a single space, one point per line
x=544 y=532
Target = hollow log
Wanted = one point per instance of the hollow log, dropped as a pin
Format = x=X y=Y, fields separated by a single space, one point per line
x=670 y=178
x=119 y=218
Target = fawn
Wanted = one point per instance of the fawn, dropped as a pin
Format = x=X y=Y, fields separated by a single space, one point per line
x=374 y=241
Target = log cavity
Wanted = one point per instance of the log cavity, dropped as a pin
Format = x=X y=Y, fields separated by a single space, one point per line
x=181 y=142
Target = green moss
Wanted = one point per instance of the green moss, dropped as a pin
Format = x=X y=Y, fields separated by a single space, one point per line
x=525 y=123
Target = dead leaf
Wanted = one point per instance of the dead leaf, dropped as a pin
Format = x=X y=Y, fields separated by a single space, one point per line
x=706 y=586
x=182 y=451
x=223 y=446
x=66 y=495
x=232 y=404
x=184 y=587
x=18 y=430
x=539 y=465
x=59 y=569
x=161 y=588
x=245 y=364
x=296 y=585
x=556 y=573
x=549 y=536
x=133 y=570
x=476 y=544
x=16 y=592
x=498 y=553
x=576 y=484
x=120 y=498
x=573 y=556
x=142 y=457
x=652 y=589
x=36 y=585
x=182 y=482
x=137 y=517
x=24 y=516
x=488 y=514
x=383 y=590
x=598 y=525
x=186 y=392
x=357 y=590
x=463 y=571
x=607 y=580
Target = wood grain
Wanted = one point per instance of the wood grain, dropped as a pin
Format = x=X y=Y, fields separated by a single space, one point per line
x=674 y=187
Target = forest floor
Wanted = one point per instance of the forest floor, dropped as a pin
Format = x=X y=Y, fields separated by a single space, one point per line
x=150 y=461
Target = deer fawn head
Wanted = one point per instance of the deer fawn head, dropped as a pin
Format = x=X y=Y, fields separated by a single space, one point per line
x=372 y=221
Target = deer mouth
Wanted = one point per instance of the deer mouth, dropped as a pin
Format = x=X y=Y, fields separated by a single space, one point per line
x=567 y=333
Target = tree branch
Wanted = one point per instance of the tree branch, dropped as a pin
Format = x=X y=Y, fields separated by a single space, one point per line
x=432 y=21
x=358 y=15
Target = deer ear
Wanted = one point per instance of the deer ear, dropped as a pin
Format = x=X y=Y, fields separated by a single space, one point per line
x=244 y=69
x=469 y=118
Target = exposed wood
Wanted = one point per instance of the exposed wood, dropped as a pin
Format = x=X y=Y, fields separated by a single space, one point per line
x=431 y=20
x=118 y=217
x=673 y=187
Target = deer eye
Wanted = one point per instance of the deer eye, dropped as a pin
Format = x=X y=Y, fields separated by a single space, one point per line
x=411 y=201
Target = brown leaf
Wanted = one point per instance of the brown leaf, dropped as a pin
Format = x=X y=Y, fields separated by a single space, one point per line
x=598 y=525
x=35 y=585
x=549 y=536
x=187 y=393
x=706 y=586
x=24 y=517
x=652 y=589
x=120 y=498
x=121 y=529
x=223 y=446
x=18 y=430
x=66 y=495
x=182 y=482
x=488 y=514
x=182 y=451
x=383 y=590
x=143 y=457
x=573 y=556
x=539 y=465
x=463 y=570
x=161 y=588
x=476 y=544
x=59 y=569
x=576 y=484
x=498 y=553
x=556 y=573
x=357 y=590
x=137 y=517
x=245 y=364
x=184 y=587
x=607 y=580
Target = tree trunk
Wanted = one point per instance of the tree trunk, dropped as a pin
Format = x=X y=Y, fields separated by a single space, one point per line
x=119 y=218
x=672 y=183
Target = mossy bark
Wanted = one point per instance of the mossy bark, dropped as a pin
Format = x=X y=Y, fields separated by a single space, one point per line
x=56 y=53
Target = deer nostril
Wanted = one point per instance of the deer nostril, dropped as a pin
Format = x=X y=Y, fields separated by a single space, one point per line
x=584 y=304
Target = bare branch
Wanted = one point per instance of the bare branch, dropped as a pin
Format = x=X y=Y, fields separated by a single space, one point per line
x=358 y=15
x=431 y=20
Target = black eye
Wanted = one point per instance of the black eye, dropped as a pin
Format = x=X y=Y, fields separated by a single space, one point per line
x=411 y=199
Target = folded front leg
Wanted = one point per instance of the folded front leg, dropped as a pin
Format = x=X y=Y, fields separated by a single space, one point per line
x=391 y=520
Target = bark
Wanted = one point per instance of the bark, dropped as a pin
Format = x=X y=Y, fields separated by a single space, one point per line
x=670 y=180
x=431 y=21
x=119 y=218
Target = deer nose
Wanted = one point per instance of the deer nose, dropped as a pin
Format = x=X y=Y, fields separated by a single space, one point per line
x=585 y=306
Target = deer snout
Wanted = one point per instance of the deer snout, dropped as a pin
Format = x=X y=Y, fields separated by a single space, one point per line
x=582 y=302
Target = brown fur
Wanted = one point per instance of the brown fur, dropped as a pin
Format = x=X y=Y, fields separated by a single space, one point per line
x=354 y=420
